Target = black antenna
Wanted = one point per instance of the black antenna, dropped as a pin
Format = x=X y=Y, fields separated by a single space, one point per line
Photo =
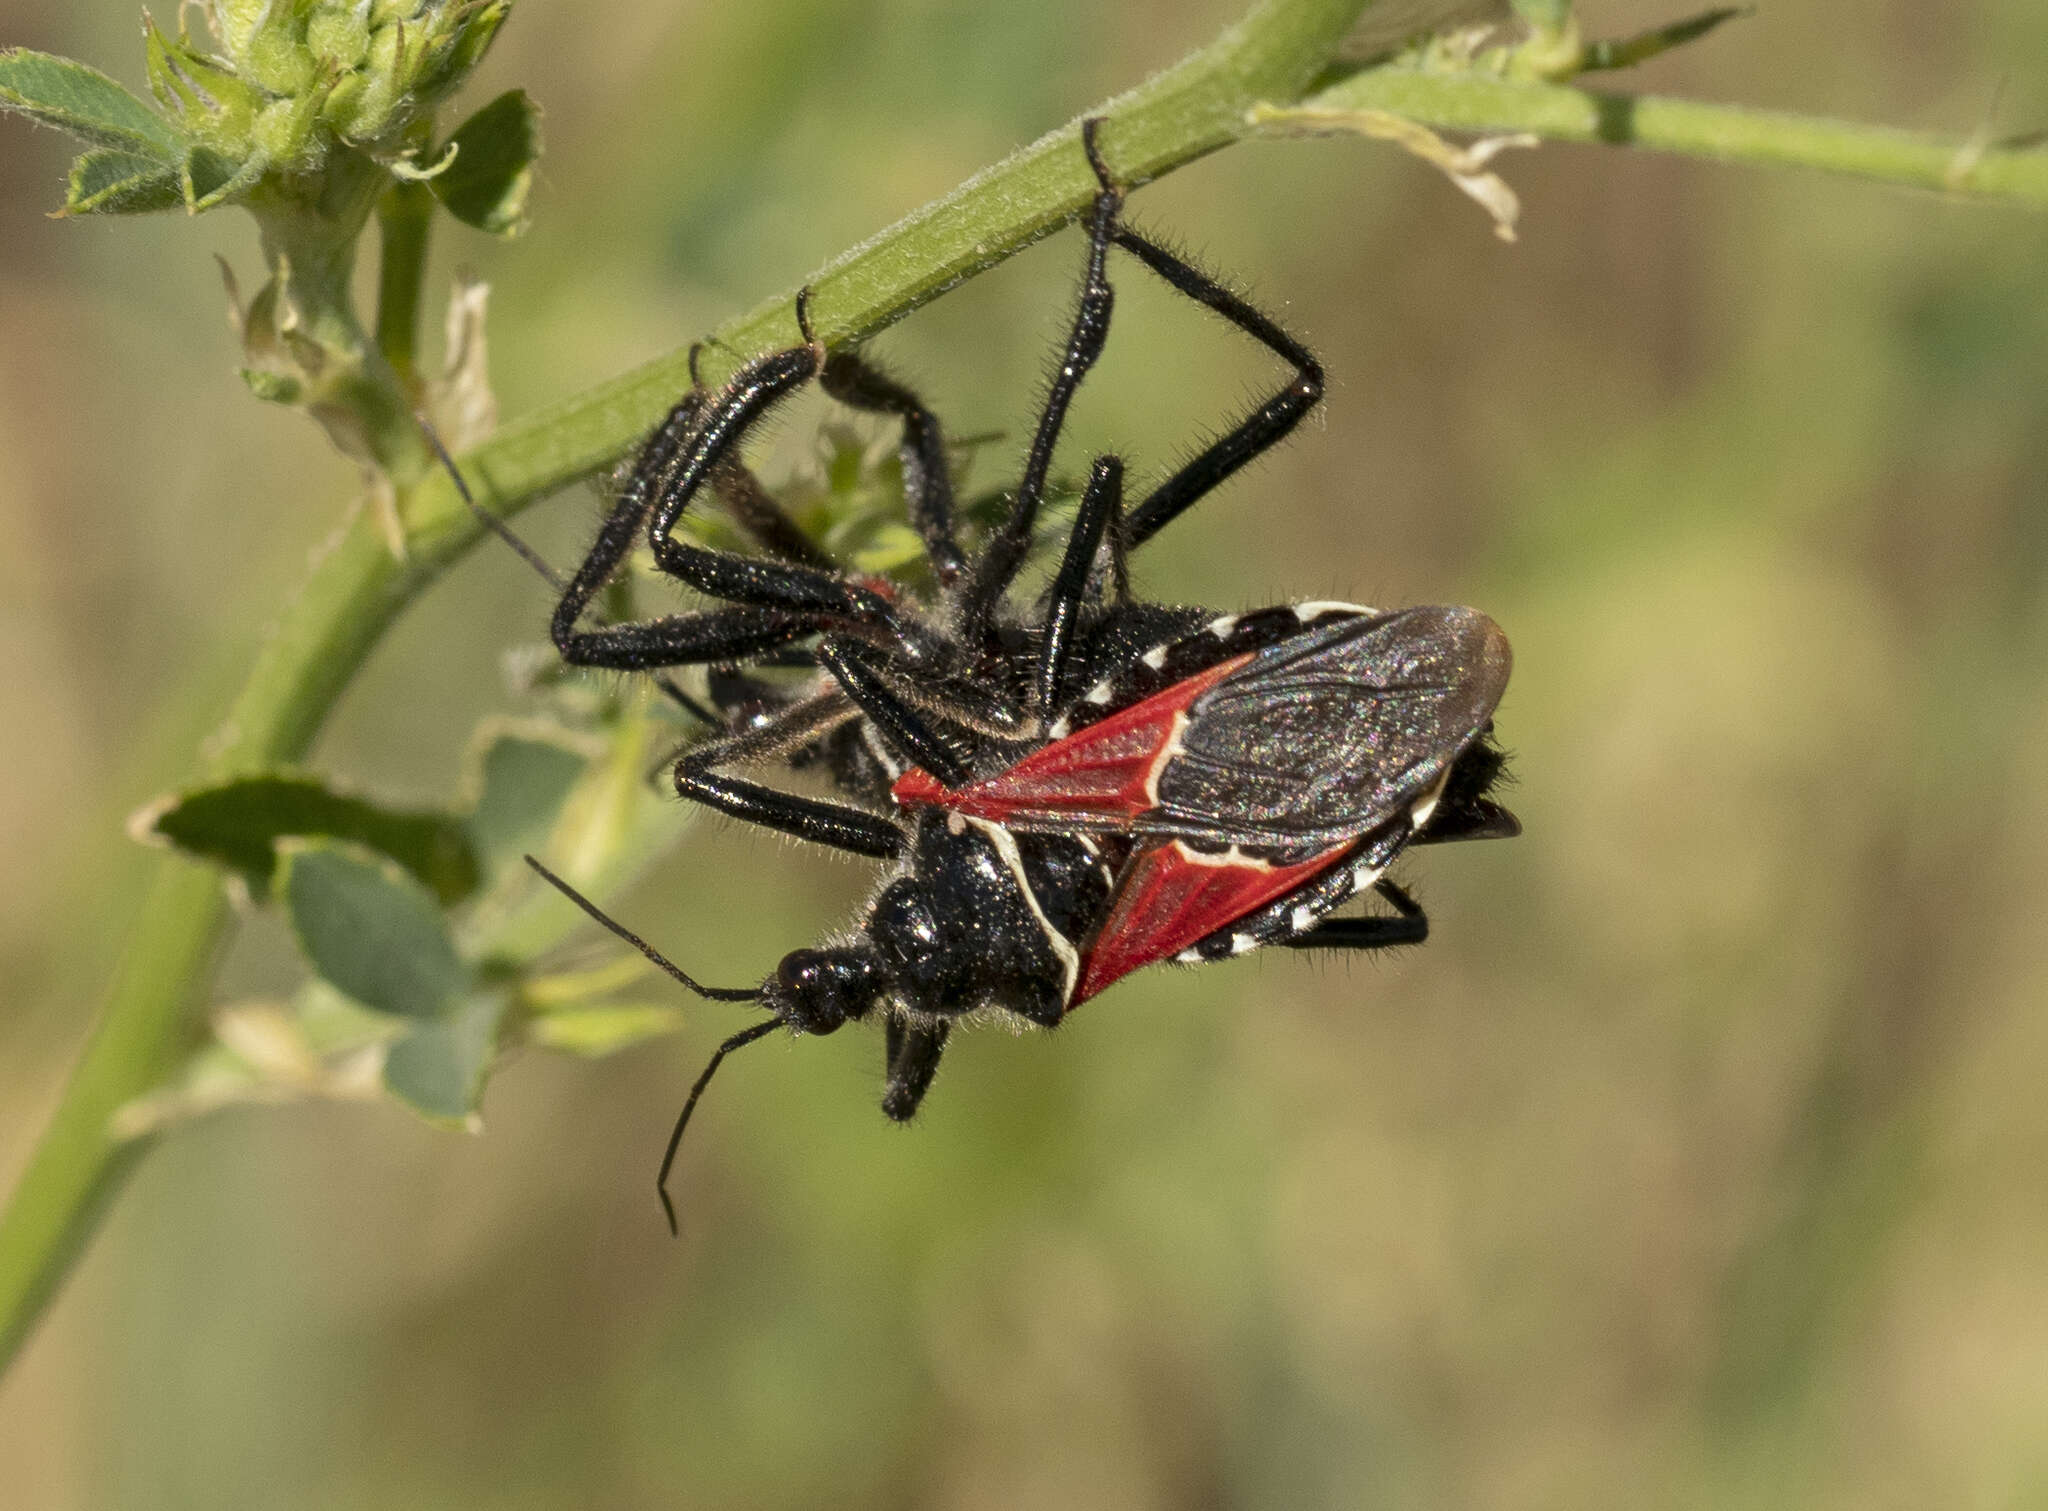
x=739 y=1040
x=713 y=993
x=484 y=517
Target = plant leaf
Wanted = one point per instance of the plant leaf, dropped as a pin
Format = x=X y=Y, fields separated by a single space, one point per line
x=237 y=824
x=110 y=181
x=487 y=184
x=210 y=177
x=85 y=102
x=439 y=1068
x=371 y=931
x=522 y=779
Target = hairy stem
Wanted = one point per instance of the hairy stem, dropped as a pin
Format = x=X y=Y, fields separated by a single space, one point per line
x=1458 y=101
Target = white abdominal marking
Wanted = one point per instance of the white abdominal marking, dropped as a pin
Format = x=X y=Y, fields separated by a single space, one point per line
x=1424 y=807
x=1321 y=607
x=1231 y=857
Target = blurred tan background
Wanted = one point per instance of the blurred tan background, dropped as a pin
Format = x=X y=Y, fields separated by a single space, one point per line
x=1700 y=1160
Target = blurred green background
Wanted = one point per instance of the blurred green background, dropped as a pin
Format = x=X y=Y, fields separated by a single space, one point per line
x=1698 y=1160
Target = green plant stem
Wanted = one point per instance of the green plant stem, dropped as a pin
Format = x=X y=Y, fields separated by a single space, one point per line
x=360 y=587
x=1476 y=102
x=405 y=215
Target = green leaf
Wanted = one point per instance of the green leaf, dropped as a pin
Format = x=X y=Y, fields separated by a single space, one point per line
x=109 y=181
x=85 y=102
x=210 y=177
x=522 y=779
x=594 y=1031
x=487 y=184
x=439 y=1068
x=237 y=824
x=372 y=931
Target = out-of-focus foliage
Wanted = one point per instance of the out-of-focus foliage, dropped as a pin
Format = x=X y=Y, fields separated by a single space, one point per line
x=263 y=102
x=1694 y=1161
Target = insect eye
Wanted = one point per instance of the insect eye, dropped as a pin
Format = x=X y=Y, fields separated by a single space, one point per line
x=818 y=990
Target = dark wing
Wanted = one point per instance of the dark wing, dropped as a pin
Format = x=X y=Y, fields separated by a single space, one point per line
x=1329 y=734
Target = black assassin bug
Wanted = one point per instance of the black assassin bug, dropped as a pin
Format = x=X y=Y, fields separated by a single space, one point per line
x=1066 y=790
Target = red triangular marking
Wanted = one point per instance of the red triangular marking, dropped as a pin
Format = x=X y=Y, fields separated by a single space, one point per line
x=1172 y=896
x=1105 y=771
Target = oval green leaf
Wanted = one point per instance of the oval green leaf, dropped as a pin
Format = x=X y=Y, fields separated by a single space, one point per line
x=238 y=823
x=85 y=102
x=439 y=1069
x=371 y=931
x=487 y=184
x=111 y=181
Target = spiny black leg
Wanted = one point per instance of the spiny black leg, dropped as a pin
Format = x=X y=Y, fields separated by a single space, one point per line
x=927 y=480
x=689 y=705
x=710 y=445
x=838 y=825
x=731 y=632
x=754 y=509
x=694 y=443
x=1009 y=546
x=1409 y=925
x=621 y=525
x=913 y=1051
x=1101 y=506
x=902 y=725
x=1261 y=429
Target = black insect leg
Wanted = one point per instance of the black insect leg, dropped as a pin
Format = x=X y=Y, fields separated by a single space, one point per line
x=913 y=1051
x=860 y=677
x=839 y=825
x=1261 y=429
x=755 y=510
x=1408 y=925
x=771 y=603
x=1100 y=512
x=744 y=636
x=927 y=479
x=710 y=444
x=1009 y=546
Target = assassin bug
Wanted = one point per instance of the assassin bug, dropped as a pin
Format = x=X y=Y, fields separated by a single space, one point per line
x=1066 y=790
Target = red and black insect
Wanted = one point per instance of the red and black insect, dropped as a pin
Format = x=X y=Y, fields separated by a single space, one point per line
x=1066 y=788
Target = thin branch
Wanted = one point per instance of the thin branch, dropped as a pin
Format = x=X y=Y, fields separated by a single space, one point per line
x=1460 y=101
